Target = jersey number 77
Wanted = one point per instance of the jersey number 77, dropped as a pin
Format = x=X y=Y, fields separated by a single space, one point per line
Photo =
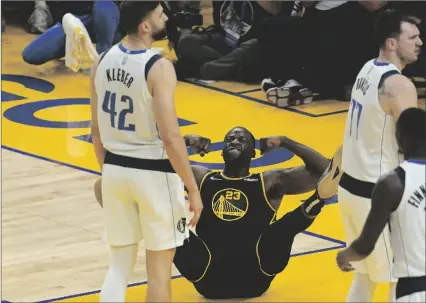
x=355 y=107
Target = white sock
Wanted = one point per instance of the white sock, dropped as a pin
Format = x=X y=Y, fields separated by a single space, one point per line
x=362 y=289
x=122 y=262
x=392 y=292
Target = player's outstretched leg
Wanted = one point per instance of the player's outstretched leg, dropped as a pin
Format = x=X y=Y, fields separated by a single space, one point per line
x=274 y=247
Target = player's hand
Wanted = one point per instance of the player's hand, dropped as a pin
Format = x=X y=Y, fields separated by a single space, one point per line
x=268 y=144
x=343 y=260
x=200 y=145
x=195 y=206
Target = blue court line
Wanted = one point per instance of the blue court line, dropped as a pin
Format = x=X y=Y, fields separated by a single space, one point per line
x=177 y=276
x=341 y=243
x=240 y=95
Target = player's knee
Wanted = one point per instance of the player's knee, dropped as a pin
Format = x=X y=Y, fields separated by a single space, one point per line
x=273 y=258
x=274 y=266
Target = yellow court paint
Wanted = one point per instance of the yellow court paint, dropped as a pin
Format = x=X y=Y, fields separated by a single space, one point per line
x=45 y=114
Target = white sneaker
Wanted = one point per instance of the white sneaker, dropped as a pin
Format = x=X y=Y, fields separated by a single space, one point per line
x=79 y=50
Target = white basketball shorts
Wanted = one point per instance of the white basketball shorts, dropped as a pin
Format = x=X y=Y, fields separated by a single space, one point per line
x=143 y=204
x=355 y=210
x=417 y=297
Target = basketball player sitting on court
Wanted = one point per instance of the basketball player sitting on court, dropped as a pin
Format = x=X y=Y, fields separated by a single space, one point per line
x=240 y=246
x=399 y=200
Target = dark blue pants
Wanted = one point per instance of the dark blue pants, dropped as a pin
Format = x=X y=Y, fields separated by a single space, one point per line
x=102 y=26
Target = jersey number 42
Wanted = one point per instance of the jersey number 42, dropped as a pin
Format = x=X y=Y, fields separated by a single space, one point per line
x=108 y=106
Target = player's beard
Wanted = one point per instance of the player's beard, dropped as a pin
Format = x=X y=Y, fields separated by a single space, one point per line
x=159 y=35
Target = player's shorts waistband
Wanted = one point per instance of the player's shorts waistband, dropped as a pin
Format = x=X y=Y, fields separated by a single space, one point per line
x=408 y=286
x=161 y=165
x=356 y=187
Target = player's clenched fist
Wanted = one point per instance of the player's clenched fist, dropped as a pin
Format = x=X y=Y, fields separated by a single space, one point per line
x=268 y=144
x=200 y=145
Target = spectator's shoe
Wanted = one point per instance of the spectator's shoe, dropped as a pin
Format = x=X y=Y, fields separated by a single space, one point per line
x=286 y=94
x=276 y=95
x=267 y=84
x=298 y=9
x=79 y=50
x=329 y=182
x=40 y=19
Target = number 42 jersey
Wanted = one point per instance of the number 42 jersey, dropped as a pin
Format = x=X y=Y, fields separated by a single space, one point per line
x=125 y=106
x=369 y=148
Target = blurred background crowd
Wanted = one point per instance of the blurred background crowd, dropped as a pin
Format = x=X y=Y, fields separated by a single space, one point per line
x=304 y=46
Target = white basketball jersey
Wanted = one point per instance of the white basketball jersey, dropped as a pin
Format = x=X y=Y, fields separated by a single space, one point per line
x=125 y=109
x=407 y=223
x=369 y=146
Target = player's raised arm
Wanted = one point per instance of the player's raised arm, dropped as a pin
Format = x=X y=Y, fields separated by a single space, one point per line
x=296 y=180
x=201 y=145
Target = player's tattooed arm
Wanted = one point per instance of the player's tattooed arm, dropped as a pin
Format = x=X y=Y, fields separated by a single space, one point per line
x=384 y=93
x=396 y=94
x=296 y=180
x=386 y=197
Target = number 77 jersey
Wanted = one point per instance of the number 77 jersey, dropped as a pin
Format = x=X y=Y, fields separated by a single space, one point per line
x=369 y=148
x=125 y=109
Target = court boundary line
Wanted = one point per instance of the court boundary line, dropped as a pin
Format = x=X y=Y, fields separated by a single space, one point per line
x=340 y=243
x=135 y=284
x=241 y=95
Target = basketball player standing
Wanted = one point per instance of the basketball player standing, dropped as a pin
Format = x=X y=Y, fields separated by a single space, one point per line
x=142 y=154
x=370 y=150
x=399 y=200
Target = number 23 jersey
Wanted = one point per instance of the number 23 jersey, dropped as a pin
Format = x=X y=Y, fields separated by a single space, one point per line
x=369 y=148
x=236 y=212
x=125 y=106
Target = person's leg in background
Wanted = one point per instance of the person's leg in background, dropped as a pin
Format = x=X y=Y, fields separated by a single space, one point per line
x=229 y=66
x=50 y=45
x=195 y=49
x=106 y=20
x=200 y=48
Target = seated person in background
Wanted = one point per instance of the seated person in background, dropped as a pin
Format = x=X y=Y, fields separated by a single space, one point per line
x=100 y=18
x=227 y=49
x=328 y=46
x=240 y=246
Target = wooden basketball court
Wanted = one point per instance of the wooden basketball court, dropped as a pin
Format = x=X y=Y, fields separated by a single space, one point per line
x=52 y=246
